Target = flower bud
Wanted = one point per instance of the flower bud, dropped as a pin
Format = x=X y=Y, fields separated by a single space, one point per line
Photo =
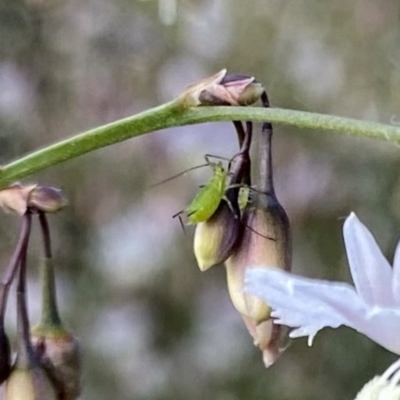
x=271 y=339
x=56 y=348
x=265 y=243
x=215 y=238
x=223 y=90
x=15 y=197
x=60 y=356
x=244 y=89
x=29 y=384
x=46 y=199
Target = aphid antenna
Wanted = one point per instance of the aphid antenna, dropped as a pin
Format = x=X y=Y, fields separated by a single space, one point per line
x=180 y=174
x=207 y=164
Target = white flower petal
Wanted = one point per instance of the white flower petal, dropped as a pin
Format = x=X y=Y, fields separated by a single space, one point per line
x=382 y=325
x=310 y=305
x=306 y=304
x=396 y=275
x=371 y=272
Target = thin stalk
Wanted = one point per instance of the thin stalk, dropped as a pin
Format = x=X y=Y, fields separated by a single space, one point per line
x=26 y=357
x=12 y=267
x=50 y=318
x=265 y=173
x=242 y=168
x=176 y=114
x=240 y=132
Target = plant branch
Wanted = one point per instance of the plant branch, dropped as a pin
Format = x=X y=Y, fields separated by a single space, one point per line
x=176 y=114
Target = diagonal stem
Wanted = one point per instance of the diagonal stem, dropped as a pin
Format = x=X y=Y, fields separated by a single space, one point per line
x=175 y=113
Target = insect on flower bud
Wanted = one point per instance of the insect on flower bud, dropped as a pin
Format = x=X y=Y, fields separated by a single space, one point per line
x=265 y=243
x=46 y=199
x=214 y=239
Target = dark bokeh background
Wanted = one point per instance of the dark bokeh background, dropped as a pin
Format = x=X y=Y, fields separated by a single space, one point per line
x=152 y=326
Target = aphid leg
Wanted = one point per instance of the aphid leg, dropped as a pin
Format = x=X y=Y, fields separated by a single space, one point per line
x=237 y=215
x=236 y=185
x=178 y=214
x=182 y=224
x=258 y=233
x=253 y=189
x=208 y=156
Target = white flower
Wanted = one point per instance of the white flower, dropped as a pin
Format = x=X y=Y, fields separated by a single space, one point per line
x=372 y=307
x=383 y=387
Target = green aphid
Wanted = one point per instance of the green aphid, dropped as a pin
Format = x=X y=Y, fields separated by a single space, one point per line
x=207 y=200
x=244 y=197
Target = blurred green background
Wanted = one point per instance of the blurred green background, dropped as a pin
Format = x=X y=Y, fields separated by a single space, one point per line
x=152 y=326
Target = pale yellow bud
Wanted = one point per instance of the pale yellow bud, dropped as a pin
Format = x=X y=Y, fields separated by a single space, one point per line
x=215 y=238
x=29 y=384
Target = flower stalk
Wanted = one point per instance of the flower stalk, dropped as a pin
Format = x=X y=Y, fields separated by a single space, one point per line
x=175 y=114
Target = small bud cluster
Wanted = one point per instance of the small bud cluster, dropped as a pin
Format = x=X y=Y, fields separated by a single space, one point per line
x=223 y=90
x=245 y=226
x=48 y=361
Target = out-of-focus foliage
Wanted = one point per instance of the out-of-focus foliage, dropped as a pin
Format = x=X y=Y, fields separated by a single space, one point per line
x=152 y=326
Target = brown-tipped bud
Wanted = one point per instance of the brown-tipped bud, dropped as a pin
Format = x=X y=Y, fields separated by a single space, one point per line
x=60 y=356
x=29 y=384
x=251 y=94
x=46 y=199
x=223 y=90
x=5 y=356
x=15 y=197
x=244 y=89
x=266 y=242
x=271 y=339
x=215 y=238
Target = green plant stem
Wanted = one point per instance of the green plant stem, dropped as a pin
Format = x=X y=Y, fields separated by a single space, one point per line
x=175 y=114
